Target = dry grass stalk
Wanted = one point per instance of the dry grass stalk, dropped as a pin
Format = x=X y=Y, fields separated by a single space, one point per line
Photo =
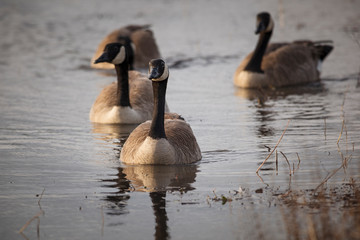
x=340 y=153
x=42 y=193
x=262 y=180
x=346 y=138
x=343 y=103
x=215 y=194
x=343 y=159
x=274 y=147
x=332 y=174
x=25 y=237
x=37 y=216
x=293 y=168
x=287 y=162
x=276 y=161
x=298 y=166
x=342 y=129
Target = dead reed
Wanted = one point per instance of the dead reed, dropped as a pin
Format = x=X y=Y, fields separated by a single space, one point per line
x=287 y=162
x=332 y=174
x=274 y=147
x=332 y=213
x=298 y=166
x=276 y=162
x=37 y=216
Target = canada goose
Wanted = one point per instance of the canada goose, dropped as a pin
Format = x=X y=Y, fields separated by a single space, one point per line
x=127 y=101
x=280 y=64
x=140 y=39
x=160 y=141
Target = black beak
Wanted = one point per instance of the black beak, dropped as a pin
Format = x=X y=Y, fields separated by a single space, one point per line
x=103 y=58
x=154 y=73
x=261 y=27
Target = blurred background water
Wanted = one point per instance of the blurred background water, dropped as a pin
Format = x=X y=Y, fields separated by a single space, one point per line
x=48 y=144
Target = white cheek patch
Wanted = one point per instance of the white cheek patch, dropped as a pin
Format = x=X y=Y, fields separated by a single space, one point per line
x=164 y=76
x=120 y=57
x=319 y=65
x=270 y=26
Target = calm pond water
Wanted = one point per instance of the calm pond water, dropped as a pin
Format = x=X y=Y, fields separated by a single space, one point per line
x=63 y=170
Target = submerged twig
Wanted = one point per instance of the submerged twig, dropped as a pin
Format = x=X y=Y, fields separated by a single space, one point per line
x=298 y=166
x=274 y=147
x=32 y=219
x=215 y=194
x=262 y=180
x=268 y=148
x=333 y=173
x=293 y=168
x=37 y=216
x=325 y=128
x=276 y=161
x=41 y=195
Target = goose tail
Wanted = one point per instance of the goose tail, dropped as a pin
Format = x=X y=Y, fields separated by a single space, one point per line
x=323 y=48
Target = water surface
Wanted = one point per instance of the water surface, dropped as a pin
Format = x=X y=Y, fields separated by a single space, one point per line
x=48 y=145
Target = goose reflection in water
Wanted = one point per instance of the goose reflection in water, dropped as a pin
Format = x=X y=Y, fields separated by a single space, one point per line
x=266 y=99
x=274 y=106
x=157 y=180
x=109 y=132
x=262 y=95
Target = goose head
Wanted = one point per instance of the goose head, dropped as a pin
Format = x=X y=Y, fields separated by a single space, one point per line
x=114 y=53
x=130 y=49
x=158 y=70
x=264 y=23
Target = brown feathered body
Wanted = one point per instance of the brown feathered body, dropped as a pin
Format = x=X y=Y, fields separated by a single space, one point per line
x=106 y=110
x=179 y=146
x=284 y=64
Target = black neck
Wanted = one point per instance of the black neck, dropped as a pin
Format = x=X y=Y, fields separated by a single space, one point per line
x=123 y=85
x=157 y=130
x=254 y=64
x=130 y=55
x=159 y=204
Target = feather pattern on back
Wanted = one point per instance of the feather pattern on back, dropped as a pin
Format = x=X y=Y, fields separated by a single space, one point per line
x=141 y=99
x=287 y=64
